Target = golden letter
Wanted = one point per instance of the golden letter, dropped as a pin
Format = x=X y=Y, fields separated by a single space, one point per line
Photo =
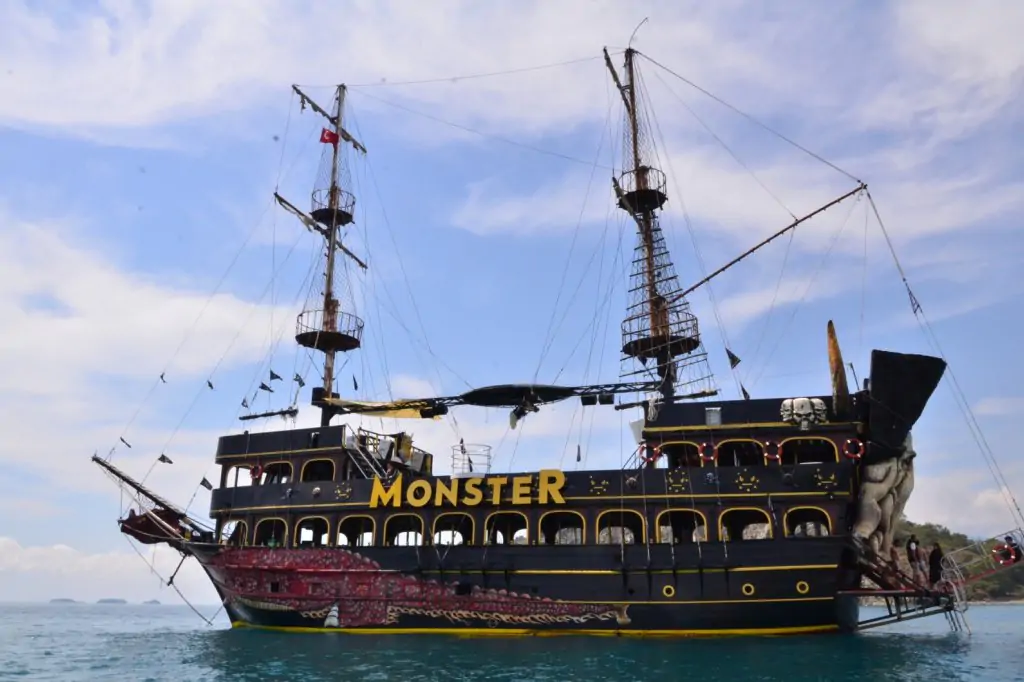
x=521 y=489
x=379 y=497
x=418 y=494
x=551 y=483
x=496 y=484
x=446 y=491
x=472 y=492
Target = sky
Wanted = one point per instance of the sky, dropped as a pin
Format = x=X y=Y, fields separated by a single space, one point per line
x=141 y=142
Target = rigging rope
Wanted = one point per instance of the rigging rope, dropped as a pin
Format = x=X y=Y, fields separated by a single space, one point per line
x=972 y=423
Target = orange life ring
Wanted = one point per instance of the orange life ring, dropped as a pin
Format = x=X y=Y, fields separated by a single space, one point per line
x=703 y=450
x=772 y=451
x=653 y=456
x=853 y=449
x=255 y=472
x=1000 y=553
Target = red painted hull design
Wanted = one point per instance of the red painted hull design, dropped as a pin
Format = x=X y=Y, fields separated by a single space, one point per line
x=344 y=589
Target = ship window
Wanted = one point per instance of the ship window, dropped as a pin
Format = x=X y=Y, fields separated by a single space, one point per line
x=506 y=528
x=740 y=453
x=562 y=528
x=318 y=470
x=270 y=533
x=744 y=524
x=235 y=533
x=808 y=451
x=453 y=528
x=238 y=476
x=312 y=532
x=623 y=526
x=355 y=531
x=277 y=473
x=680 y=455
x=681 y=526
x=807 y=522
x=403 y=530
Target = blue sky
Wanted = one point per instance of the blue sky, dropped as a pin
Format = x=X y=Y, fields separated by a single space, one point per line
x=140 y=144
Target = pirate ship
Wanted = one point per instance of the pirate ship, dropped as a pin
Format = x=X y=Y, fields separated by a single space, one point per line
x=744 y=516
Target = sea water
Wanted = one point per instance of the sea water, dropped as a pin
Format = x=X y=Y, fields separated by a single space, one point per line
x=136 y=643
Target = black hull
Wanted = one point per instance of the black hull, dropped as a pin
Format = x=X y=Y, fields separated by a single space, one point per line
x=516 y=591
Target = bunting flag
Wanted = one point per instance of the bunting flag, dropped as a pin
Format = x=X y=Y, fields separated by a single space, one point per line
x=165 y=459
x=579 y=452
x=209 y=384
x=733 y=359
x=126 y=442
x=264 y=387
x=245 y=403
x=162 y=377
x=355 y=384
x=746 y=396
x=470 y=460
x=299 y=380
x=206 y=484
x=274 y=376
x=328 y=137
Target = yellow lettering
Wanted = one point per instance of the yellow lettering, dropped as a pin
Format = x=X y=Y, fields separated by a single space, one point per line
x=379 y=497
x=496 y=484
x=521 y=489
x=418 y=494
x=472 y=495
x=446 y=491
x=551 y=483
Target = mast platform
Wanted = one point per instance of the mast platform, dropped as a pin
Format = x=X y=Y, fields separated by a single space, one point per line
x=643 y=190
x=337 y=331
x=337 y=216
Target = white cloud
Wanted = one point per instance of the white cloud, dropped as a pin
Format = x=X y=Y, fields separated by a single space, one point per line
x=964 y=500
x=1000 y=407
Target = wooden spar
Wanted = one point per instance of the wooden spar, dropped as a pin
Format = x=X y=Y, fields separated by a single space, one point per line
x=330 y=303
x=775 y=236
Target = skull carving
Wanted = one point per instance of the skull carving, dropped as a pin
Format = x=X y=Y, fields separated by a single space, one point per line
x=787 y=410
x=820 y=411
x=803 y=412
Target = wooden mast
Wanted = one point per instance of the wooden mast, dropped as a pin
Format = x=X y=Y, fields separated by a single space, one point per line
x=330 y=302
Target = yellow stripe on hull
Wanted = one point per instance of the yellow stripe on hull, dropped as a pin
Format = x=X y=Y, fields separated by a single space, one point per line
x=533 y=632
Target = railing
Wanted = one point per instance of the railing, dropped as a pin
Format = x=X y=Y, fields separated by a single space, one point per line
x=313 y=321
x=321 y=200
x=647 y=178
x=471 y=459
x=965 y=565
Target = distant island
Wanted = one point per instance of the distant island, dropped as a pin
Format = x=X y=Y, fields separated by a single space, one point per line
x=152 y=601
x=111 y=601
x=63 y=601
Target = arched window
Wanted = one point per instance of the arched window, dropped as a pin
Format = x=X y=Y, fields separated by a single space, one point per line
x=740 y=453
x=235 y=533
x=562 y=528
x=506 y=528
x=403 y=530
x=317 y=470
x=744 y=523
x=681 y=526
x=272 y=532
x=807 y=522
x=356 y=531
x=808 y=451
x=312 y=531
x=453 y=528
x=277 y=473
x=679 y=454
x=620 y=526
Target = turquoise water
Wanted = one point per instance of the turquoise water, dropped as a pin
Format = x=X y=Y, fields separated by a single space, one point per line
x=131 y=643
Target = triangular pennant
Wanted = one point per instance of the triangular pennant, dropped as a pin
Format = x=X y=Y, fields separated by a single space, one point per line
x=274 y=376
x=299 y=380
x=733 y=359
x=126 y=443
x=264 y=387
x=209 y=384
x=746 y=396
x=245 y=403
x=579 y=452
x=355 y=384
x=206 y=484
x=165 y=459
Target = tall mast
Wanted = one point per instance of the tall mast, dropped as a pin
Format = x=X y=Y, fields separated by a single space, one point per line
x=659 y=325
x=329 y=329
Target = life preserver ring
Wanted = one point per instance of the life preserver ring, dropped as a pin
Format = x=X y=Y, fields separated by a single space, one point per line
x=772 y=451
x=702 y=450
x=256 y=471
x=1003 y=555
x=853 y=449
x=652 y=456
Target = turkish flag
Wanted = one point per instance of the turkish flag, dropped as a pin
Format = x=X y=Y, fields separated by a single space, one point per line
x=328 y=137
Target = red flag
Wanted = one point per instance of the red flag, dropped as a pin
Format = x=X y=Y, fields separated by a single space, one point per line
x=328 y=137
